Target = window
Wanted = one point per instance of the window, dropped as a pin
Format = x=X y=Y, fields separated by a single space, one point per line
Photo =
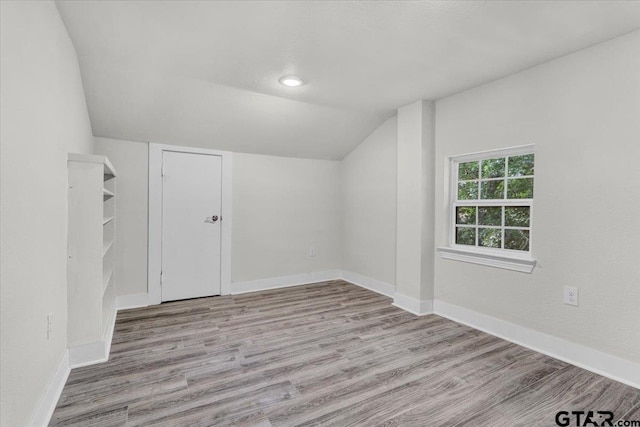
x=491 y=208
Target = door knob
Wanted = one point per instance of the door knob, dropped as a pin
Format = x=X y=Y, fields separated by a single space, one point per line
x=214 y=218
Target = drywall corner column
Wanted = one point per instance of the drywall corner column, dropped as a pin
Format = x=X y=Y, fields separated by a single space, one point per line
x=415 y=207
x=428 y=176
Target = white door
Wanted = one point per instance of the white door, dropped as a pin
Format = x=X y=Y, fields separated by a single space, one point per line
x=191 y=206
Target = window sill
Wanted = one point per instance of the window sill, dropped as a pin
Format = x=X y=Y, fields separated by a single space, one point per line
x=492 y=260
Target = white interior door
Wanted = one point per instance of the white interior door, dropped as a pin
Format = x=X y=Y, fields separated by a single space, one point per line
x=191 y=206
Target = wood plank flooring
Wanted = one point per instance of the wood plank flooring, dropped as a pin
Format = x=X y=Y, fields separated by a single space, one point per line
x=323 y=354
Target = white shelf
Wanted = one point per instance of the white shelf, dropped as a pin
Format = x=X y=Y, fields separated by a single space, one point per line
x=106 y=279
x=108 y=171
x=106 y=247
x=106 y=194
x=91 y=199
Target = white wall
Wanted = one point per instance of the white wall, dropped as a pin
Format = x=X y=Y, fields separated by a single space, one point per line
x=369 y=206
x=282 y=207
x=131 y=161
x=582 y=112
x=44 y=116
x=415 y=188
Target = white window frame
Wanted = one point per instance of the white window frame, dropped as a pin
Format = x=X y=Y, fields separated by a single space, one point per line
x=494 y=257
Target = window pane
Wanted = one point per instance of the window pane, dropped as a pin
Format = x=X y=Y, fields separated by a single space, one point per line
x=466 y=236
x=520 y=188
x=493 y=168
x=467 y=171
x=465 y=215
x=492 y=189
x=490 y=215
x=467 y=190
x=516 y=216
x=516 y=239
x=490 y=237
x=521 y=165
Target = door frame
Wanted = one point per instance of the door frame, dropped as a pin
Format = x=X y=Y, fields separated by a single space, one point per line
x=155 y=217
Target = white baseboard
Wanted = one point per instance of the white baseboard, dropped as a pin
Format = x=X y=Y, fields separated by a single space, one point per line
x=284 y=281
x=374 y=285
x=124 y=302
x=96 y=352
x=601 y=363
x=87 y=354
x=82 y=355
x=596 y=361
x=607 y=365
x=108 y=336
x=412 y=305
x=49 y=400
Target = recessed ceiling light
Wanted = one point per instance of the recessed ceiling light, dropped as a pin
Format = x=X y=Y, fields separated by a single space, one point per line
x=291 y=81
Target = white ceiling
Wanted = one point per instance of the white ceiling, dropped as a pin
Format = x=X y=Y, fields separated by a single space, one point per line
x=206 y=73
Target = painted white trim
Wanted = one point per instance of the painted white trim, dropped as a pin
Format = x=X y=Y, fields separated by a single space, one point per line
x=124 y=302
x=596 y=361
x=94 y=352
x=285 y=281
x=87 y=354
x=491 y=260
x=607 y=365
x=82 y=355
x=471 y=254
x=412 y=305
x=47 y=403
x=489 y=154
x=93 y=158
x=374 y=285
x=155 y=217
x=98 y=352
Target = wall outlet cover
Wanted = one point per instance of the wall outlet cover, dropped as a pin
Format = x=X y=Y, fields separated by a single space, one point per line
x=571 y=295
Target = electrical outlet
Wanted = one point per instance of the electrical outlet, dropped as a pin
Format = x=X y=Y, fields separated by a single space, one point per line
x=571 y=295
x=49 y=325
x=312 y=251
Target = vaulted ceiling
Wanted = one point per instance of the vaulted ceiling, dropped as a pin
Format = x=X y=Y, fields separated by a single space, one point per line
x=205 y=73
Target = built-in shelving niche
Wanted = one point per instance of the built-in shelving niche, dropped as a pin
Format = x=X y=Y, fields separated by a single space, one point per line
x=91 y=257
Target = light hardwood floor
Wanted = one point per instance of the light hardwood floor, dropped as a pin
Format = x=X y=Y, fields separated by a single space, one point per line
x=322 y=354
